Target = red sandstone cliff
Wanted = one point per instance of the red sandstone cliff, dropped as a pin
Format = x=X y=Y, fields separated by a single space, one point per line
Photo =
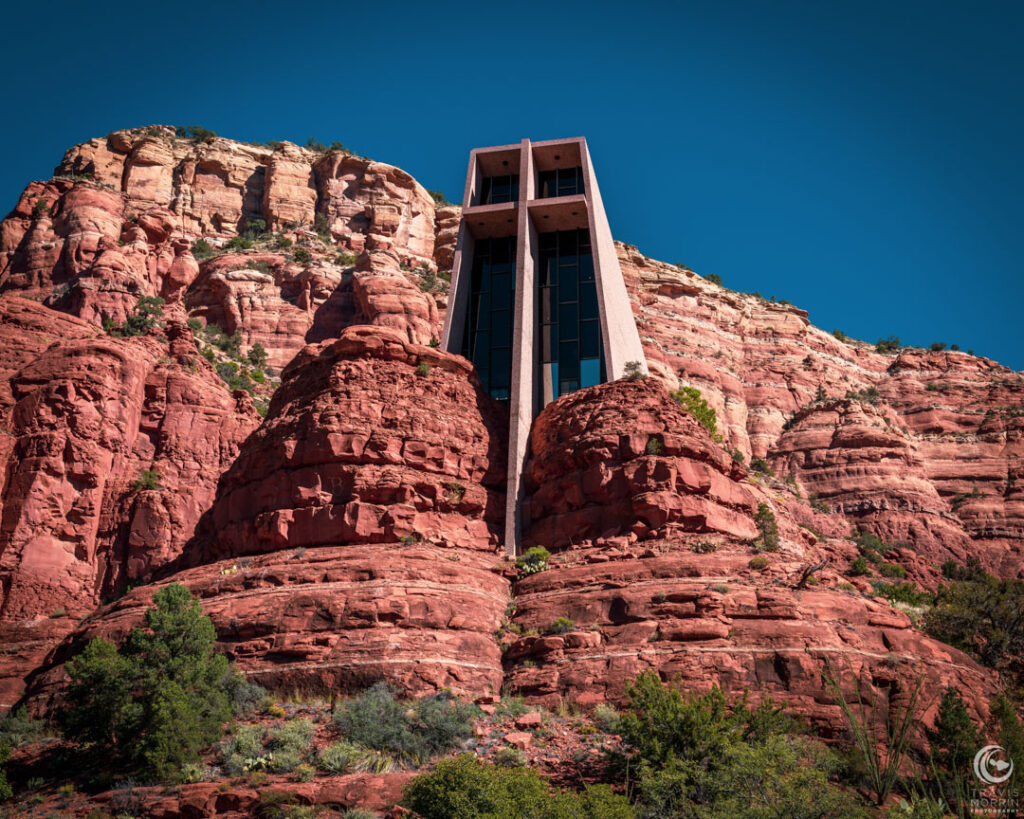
x=353 y=533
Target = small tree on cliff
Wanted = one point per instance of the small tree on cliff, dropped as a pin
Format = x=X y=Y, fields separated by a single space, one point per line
x=157 y=700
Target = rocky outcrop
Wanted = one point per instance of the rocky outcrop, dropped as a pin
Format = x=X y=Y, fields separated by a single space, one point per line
x=370 y=439
x=710 y=619
x=626 y=458
x=656 y=527
x=84 y=415
x=337 y=619
x=355 y=536
x=928 y=454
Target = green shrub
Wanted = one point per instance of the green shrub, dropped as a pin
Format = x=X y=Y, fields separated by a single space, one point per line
x=148 y=480
x=197 y=133
x=18 y=728
x=759 y=563
x=606 y=718
x=238 y=242
x=304 y=773
x=294 y=735
x=892 y=570
x=40 y=208
x=634 y=371
x=246 y=697
x=907 y=593
x=714 y=278
x=888 y=345
x=6 y=792
x=562 y=625
x=257 y=355
x=345 y=757
x=981 y=615
x=255 y=229
x=242 y=748
x=705 y=547
x=761 y=465
x=859 y=567
x=345 y=259
x=693 y=402
x=654 y=446
x=439 y=198
x=937 y=346
x=469 y=789
x=409 y=732
x=533 y=560
x=509 y=757
x=145 y=317
x=839 y=334
x=423 y=369
x=159 y=698
x=701 y=756
x=282 y=242
x=302 y=255
x=768 y=529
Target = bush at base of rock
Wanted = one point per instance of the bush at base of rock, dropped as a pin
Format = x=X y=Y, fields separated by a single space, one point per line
x=157 y=700
x=470 y=789
x=410 y=732
x=699 y=755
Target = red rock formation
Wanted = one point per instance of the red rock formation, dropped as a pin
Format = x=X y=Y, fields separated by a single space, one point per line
x=360 y=447
x=370 y=438
x=83 y=415
x=625 y=457
x=942 y=476
x=705 y=619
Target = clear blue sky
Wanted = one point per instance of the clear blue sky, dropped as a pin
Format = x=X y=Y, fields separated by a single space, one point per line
x=860 y=158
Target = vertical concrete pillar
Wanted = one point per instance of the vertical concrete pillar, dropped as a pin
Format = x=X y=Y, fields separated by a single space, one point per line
x=521 y=400
x=458 y=293
x=618 y=327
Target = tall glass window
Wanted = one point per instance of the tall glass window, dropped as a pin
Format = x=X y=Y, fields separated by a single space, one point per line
x=497 y=189
x=487 y=341
x=570 y=354
x=561 y=182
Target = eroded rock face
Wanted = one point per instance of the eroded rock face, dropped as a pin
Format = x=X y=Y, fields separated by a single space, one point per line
x=338 y=619
x=369 y=439
x=930 y=455
x=709 y=619
x=625 y=457
x=355 y=537
x=84 y=415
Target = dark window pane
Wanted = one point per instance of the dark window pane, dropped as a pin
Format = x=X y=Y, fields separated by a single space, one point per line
x=588 y=301
x=549 y=242
x=567 y=243
x=566 y=387
x=485 y=190
x=501 y=295
x=481 y=349
x=483 y=310
x=586 y=267
x=501 y=393
x=501 y=367
x=584 y=238
x=500 y=189
x=567 y=318
x=501 y=326
x=567 y=282
x=569 y=359
x=590 y=339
